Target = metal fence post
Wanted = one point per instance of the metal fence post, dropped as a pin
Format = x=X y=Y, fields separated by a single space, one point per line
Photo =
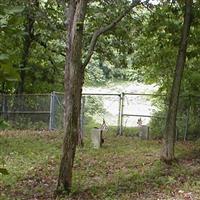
x=122 y=113
x=52 y=111
x=119 y=117
x=82 y=116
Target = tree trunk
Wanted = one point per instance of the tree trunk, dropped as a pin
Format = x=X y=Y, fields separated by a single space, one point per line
x=167 y=153
x=28 y=38
x=74 y=76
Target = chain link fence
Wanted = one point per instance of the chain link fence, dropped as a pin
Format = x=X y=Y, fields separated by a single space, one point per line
x=150 y=111
x=25 y=111
x=125 y=113
x=95 y=108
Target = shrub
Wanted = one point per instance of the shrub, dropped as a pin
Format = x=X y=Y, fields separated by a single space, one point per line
x=4 y=125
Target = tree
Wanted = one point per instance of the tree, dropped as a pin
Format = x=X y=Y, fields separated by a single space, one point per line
x=157 y=45
x=27 y=41
x=167 y=153
x=74 y=78
x=9 y=25
x=31 y=39
x=45 y=43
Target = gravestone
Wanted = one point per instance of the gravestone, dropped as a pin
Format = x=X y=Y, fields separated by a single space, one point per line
x=96 y=137
x=144 y=132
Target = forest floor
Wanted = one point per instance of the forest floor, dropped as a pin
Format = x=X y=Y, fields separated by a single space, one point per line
x=124 y=169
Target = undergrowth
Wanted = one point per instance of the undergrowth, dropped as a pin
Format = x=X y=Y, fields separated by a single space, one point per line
x=125 y=168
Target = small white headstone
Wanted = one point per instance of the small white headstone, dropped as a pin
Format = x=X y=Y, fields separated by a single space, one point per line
x=144 y=132
x=96 y=138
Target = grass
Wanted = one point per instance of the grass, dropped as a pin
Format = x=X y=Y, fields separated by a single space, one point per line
x=125 y=168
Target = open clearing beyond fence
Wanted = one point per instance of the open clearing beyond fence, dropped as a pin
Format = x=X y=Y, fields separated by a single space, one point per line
x=120 y=110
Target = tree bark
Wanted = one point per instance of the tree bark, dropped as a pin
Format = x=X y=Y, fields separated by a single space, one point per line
x=167 y=153
x=74 y=76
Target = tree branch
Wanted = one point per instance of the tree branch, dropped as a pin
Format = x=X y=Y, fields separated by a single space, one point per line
x=148 y=7
x=104 y=29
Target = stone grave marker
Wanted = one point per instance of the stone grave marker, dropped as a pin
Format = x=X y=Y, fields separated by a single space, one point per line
x=96 y=137
x=143 y=130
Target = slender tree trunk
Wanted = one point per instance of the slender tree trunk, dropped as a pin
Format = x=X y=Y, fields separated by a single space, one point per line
x=28 y=38
x=167 y=153
x=74 y=76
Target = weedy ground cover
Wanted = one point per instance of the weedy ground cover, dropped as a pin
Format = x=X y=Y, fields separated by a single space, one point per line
x=125 y=168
